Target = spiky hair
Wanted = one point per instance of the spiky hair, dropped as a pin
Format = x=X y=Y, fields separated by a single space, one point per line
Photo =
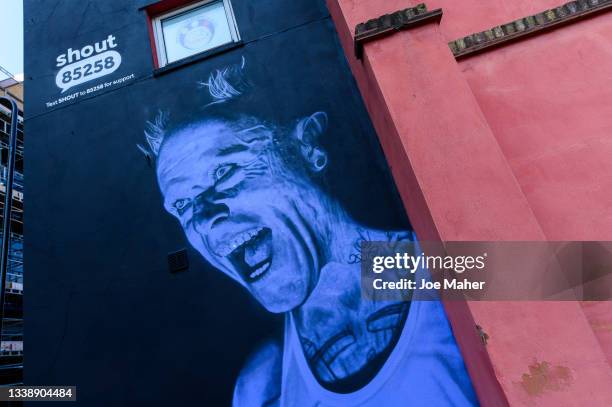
x=222 y=85
x=226 y=84
x=154 y=132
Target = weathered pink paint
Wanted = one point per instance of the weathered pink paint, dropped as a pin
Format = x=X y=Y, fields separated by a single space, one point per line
x=549 y=103
x=508 y=145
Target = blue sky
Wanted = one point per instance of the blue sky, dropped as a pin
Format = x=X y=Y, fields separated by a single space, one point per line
x=11 y=37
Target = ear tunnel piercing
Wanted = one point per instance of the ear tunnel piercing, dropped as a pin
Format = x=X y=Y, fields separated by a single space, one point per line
x=319 y=160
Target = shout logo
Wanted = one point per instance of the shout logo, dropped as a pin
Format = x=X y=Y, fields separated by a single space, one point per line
x=90 y=62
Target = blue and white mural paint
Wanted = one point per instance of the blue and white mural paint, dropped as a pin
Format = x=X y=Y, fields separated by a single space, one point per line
x=248 y=196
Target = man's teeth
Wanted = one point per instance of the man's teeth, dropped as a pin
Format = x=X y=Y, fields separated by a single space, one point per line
x=260 y=270
x=239 y=241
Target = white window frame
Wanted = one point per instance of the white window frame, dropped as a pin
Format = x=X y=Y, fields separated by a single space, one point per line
x=160 y=44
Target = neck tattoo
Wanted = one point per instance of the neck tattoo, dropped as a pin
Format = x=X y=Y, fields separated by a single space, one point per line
x=345 y=338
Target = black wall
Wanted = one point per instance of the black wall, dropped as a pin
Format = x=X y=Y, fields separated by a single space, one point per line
x=102 y=311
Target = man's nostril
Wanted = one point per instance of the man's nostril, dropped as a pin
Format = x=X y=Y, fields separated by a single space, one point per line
x=207 y=215
x=208 y=210
x=217 y=221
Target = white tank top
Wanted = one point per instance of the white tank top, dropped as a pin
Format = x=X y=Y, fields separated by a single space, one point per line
x=424 y=369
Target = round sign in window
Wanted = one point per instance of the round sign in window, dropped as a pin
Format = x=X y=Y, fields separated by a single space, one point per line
x=196 y=33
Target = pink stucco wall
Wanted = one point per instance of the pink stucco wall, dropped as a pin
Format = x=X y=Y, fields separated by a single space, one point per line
x=513 y=144
x=548 y=100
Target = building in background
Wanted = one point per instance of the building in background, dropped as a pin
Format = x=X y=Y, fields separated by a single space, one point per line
x=11 y=349
x=14 y=89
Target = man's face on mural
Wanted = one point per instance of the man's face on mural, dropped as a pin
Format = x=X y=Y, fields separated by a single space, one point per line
x=243 y=208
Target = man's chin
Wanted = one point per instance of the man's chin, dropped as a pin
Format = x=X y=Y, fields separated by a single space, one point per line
x=278 y=304
x=279 y=307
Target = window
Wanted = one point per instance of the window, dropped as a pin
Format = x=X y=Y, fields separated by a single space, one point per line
x=194 y=29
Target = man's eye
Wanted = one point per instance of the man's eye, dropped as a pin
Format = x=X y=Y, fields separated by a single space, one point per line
x=180 y=205
x=223 y=170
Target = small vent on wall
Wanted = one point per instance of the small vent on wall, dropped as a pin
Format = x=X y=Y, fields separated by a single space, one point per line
x=178 y=261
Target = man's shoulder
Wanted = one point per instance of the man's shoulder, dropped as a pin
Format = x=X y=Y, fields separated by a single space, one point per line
x=259 y=382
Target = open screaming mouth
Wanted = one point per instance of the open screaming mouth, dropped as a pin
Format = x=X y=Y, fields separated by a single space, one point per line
x=250 y=253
